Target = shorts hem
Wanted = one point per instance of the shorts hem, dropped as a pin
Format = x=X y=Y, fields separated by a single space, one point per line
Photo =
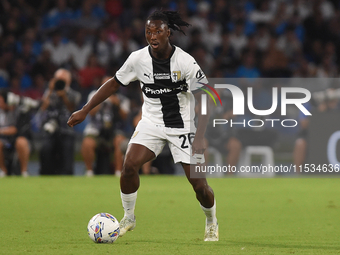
x=145 y=147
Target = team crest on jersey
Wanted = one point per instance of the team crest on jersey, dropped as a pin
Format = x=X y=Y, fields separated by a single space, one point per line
x=176 y=76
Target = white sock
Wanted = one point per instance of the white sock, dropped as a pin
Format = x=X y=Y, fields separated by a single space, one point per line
x=129 y=202
x=210 y=213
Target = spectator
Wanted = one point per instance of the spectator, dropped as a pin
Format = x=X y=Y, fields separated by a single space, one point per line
x=316 y=26
x=281 y=18
x=300 y=7
x=27 y=55
x=31 y=37
x=262 y=37
x=212 y=36
x=200 y=21
x=248 y=68
x=58 y=17
x=224 y=54
x=89 y=73
x=58 y=49
x=19 y=70
x=44 y=65
x=289 y=43
x=263 y=13
x=204 y=59
x=79 y=50
x=87 y=18
x=238 y=40
x=252 y=48
x=102 y=47
x=59 y=100
x=38 y=88
x=124 y=46
x=275 y=62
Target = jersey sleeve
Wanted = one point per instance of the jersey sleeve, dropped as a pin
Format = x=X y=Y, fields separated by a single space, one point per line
x=195 y=76
x=126 y=73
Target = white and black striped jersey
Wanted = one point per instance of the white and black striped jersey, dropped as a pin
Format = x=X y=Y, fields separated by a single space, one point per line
x=167 y=85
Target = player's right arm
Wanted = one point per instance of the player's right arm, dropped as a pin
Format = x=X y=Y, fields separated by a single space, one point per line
x=123 y=77
x=107 y=89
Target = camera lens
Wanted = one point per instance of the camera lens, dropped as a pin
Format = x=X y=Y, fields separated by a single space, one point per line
x=59 y=85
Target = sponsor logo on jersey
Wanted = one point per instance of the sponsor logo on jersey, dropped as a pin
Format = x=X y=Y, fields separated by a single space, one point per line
x=157 y=91
x=147 y=75
x=200 y=75
x=161 y=76
x=176 y=75
x=149 y=91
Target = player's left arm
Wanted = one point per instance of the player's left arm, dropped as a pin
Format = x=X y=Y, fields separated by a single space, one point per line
x=196 y=79
x=199 y=144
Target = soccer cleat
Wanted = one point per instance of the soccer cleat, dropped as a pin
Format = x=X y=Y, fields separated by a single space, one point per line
x=211 y=232
x=126 y=224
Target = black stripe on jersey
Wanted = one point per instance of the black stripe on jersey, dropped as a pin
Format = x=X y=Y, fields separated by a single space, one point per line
x=170 y=104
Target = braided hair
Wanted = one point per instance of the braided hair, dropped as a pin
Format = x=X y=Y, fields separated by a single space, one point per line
x=171 y=18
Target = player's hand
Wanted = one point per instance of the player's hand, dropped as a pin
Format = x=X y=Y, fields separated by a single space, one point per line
x=198 y=146
x=76 y=118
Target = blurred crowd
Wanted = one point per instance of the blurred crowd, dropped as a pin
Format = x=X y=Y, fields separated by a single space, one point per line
x=92 y=39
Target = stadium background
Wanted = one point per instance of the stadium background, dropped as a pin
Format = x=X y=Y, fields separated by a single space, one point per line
x=227 y=38
x=256 y=215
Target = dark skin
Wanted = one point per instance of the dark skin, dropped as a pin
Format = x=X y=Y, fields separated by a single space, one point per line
x=157 y=35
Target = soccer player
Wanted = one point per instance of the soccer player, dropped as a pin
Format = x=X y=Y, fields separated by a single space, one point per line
x=168 y=76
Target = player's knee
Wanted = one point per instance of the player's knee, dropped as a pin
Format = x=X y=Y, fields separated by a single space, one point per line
x=130 y=167
x=200 y=187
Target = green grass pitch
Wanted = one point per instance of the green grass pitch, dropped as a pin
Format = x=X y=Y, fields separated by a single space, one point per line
x=49 y=215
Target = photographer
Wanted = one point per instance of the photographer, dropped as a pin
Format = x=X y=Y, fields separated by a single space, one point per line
x=59 y=100
x=15 y=131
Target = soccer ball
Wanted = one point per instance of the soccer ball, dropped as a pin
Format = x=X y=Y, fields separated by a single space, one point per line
x=103 y=228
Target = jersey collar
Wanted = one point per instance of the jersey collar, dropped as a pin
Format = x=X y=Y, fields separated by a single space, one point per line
x=162 y=60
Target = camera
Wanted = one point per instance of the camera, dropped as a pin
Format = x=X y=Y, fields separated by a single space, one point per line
x=25 y=103
x=59 y=85
x=51 y=126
